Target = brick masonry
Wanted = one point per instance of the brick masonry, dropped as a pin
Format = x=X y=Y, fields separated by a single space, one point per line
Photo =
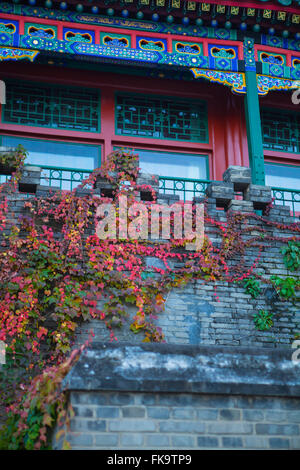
x=193 y=314
x=125 y=398
x=110 y=420
x=206 y=409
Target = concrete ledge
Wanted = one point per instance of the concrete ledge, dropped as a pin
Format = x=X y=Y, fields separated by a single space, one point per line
x=186 y=369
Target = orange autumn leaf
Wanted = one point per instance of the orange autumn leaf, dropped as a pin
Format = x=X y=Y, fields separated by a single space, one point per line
x=47 y=420
x=59 y=434
x=159 y=299
x=66 y=445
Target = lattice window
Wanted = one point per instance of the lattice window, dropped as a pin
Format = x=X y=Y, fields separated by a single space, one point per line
x=161 y=118
x=33 y=104
x=281 y=130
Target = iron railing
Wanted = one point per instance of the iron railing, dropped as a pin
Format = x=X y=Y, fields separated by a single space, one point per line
x=288 y=197
x=63 y=178
x=188 y=188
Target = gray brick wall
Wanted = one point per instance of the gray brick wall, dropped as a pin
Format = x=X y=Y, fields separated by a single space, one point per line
x=119 y=420
x=193 y=315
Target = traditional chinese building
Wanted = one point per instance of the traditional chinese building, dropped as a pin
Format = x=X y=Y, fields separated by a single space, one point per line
x=202 y=91
x=192 y=86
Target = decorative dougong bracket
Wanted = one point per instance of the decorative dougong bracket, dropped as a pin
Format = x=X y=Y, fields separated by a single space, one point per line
x=266 y=84
x=237 y=81
x=13 y=53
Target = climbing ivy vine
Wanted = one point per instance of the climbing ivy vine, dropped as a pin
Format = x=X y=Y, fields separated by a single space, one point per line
x=54 y=270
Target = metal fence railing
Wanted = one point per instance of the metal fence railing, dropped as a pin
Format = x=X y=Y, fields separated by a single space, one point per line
x=288 y=197
x=186 y=188
x=63 y=178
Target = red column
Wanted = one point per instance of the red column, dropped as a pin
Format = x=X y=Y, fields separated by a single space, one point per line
x=236 y=148
x=108 y=120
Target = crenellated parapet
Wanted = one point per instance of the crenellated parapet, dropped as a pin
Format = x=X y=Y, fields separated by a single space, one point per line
x=236 y=192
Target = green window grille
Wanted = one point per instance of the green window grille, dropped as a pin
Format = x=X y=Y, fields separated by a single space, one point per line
x=161 y=117
x=281 y=130
x=63 y=178
x=186 y=188
x=58 y=107
x=288 y=197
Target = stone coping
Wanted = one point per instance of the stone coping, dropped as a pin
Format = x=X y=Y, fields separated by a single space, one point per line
x=185 y=369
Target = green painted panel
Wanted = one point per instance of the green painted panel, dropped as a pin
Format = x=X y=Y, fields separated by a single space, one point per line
x=115 y=40
x=271 y=58
x=281 y=130
x=184 y=47
x=34 y=104
x=161 y=117
x=40 y=30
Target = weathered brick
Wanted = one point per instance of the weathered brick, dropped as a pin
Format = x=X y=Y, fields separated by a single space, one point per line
x=158 y=412
x=258 y=403
x=232 y=442
x=229 y=428
x=278 y=429
x=230 y=415
x=206 y=415
x=107 y=412
x=106 y=440
x=121 y=399
x=253 y=415
x=132 y=425
x=88 y=398
x=87 y=425
x=290 y=404
x=295 y=443
x=132 y=440
x=238 y=175
x=83 y=411
x=181 y=427
x=183 y=441
x=175 y=399
x=213 y=401
x=157 y=440
x=207 y=441
x=183 y=413
x=255 y=442
x=293 y=416
x=279 y=443
x=79 y=440
x=133 y=412
x=275 y=415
